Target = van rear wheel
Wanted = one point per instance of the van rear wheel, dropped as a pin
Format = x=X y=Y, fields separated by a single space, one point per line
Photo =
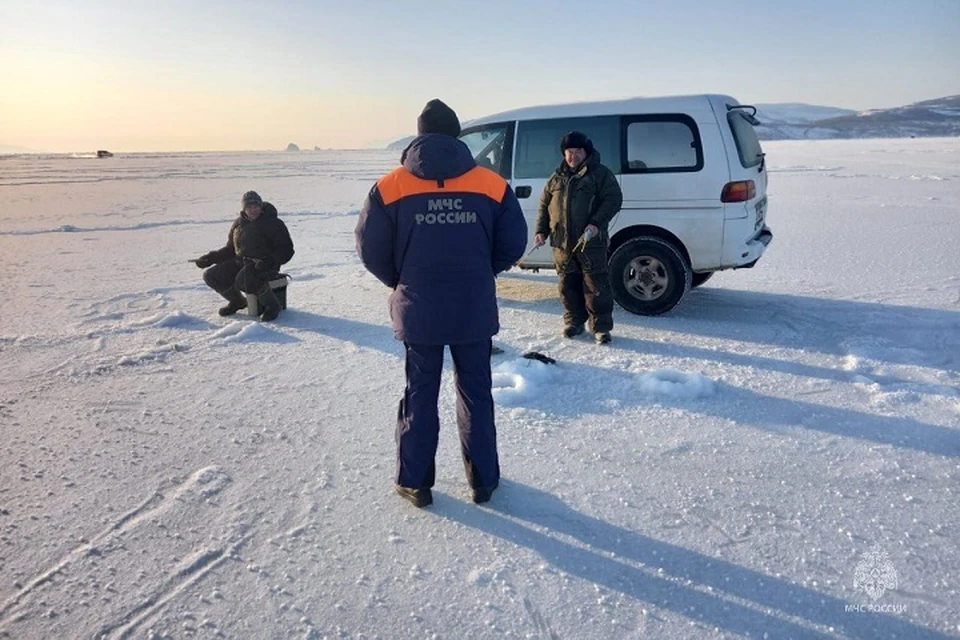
x=649 y=275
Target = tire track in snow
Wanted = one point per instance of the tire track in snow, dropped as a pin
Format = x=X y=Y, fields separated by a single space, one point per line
x=195 y=570
x=202 y=484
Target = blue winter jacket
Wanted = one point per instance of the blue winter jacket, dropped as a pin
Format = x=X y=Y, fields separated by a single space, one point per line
x=437 y=230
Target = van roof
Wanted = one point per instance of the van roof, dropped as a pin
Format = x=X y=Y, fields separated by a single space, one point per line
x=696 y=106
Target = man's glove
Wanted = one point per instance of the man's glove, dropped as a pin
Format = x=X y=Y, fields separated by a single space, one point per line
x=203 y=262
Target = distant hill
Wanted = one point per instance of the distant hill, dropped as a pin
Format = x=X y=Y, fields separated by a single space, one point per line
x=799 y=121
x=401 y=144
x=789 y=120
x=930 y=118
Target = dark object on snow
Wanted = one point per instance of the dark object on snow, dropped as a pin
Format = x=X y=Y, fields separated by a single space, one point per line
x=536 y=355
x=103 y=153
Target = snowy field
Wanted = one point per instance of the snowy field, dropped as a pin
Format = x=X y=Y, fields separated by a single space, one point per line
x=779 y=457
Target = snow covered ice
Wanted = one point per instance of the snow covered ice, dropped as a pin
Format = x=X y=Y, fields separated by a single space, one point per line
x=732 y=469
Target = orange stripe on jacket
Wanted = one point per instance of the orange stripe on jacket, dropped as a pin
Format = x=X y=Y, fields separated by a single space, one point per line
x=400 y=183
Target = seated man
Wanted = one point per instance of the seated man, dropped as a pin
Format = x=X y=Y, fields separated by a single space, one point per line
x=257 y=244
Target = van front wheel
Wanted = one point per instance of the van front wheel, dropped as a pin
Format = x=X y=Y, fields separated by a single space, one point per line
x=649 y=276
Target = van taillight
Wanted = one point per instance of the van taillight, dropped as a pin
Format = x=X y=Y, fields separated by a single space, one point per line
x=740 y=191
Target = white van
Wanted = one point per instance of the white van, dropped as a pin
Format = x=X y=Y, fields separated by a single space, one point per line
x=693 y=178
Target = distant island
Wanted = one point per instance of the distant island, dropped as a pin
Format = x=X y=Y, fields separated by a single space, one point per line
x=292 y=147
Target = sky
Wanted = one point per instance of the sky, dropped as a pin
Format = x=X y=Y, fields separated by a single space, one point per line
x=215 y=75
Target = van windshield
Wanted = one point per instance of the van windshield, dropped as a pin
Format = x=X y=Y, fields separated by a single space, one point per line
x=748 y=144
x=489 y=147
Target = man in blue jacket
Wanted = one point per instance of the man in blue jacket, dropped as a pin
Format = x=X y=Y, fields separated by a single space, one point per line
x=437 y=230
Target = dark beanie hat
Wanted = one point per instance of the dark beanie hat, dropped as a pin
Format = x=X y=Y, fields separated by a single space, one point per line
x=576 y=140
x=251 y=197
x=437 y=117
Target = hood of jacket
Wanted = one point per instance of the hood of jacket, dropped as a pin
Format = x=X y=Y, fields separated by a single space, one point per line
x=435 y=156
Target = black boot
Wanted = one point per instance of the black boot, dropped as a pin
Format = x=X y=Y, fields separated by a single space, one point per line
x=572 y=330
x=419 y=497
x=235 y=302
x=269 y=305
x=482 y=494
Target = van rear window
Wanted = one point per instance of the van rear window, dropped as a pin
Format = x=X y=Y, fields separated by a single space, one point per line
x=748 y=144
x=662 y=143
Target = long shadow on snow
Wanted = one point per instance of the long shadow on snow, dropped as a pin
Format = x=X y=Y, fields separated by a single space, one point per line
x=362 y=334
x=587 y=388
x=904 y=335
x=546 y=519
x=790 y=367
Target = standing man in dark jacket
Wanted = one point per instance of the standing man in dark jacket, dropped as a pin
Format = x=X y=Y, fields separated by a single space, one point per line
x=437 y=230
x=578 y=203
x=257 y=244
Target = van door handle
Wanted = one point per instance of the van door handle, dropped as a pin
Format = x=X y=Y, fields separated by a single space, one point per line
x=524 y=191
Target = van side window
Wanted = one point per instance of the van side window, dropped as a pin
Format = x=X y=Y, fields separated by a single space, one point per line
x=538 y=143
x=748 y=144
x=491 y=146
x=662 y=144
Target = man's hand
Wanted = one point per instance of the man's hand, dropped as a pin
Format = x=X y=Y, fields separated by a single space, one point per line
x=591 y=232
x=203 y=262
x=539 y=240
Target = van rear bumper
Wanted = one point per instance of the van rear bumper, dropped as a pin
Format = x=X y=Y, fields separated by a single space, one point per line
x=755 y=247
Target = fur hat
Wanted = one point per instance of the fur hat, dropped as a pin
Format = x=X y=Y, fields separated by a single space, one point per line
x=576 y=140
x=251 y=197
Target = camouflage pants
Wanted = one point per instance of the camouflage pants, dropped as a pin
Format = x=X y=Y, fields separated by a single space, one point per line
x=585 y=290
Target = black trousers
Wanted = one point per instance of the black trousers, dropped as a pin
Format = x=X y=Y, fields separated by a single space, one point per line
x=418 y=420
x=237 y=275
